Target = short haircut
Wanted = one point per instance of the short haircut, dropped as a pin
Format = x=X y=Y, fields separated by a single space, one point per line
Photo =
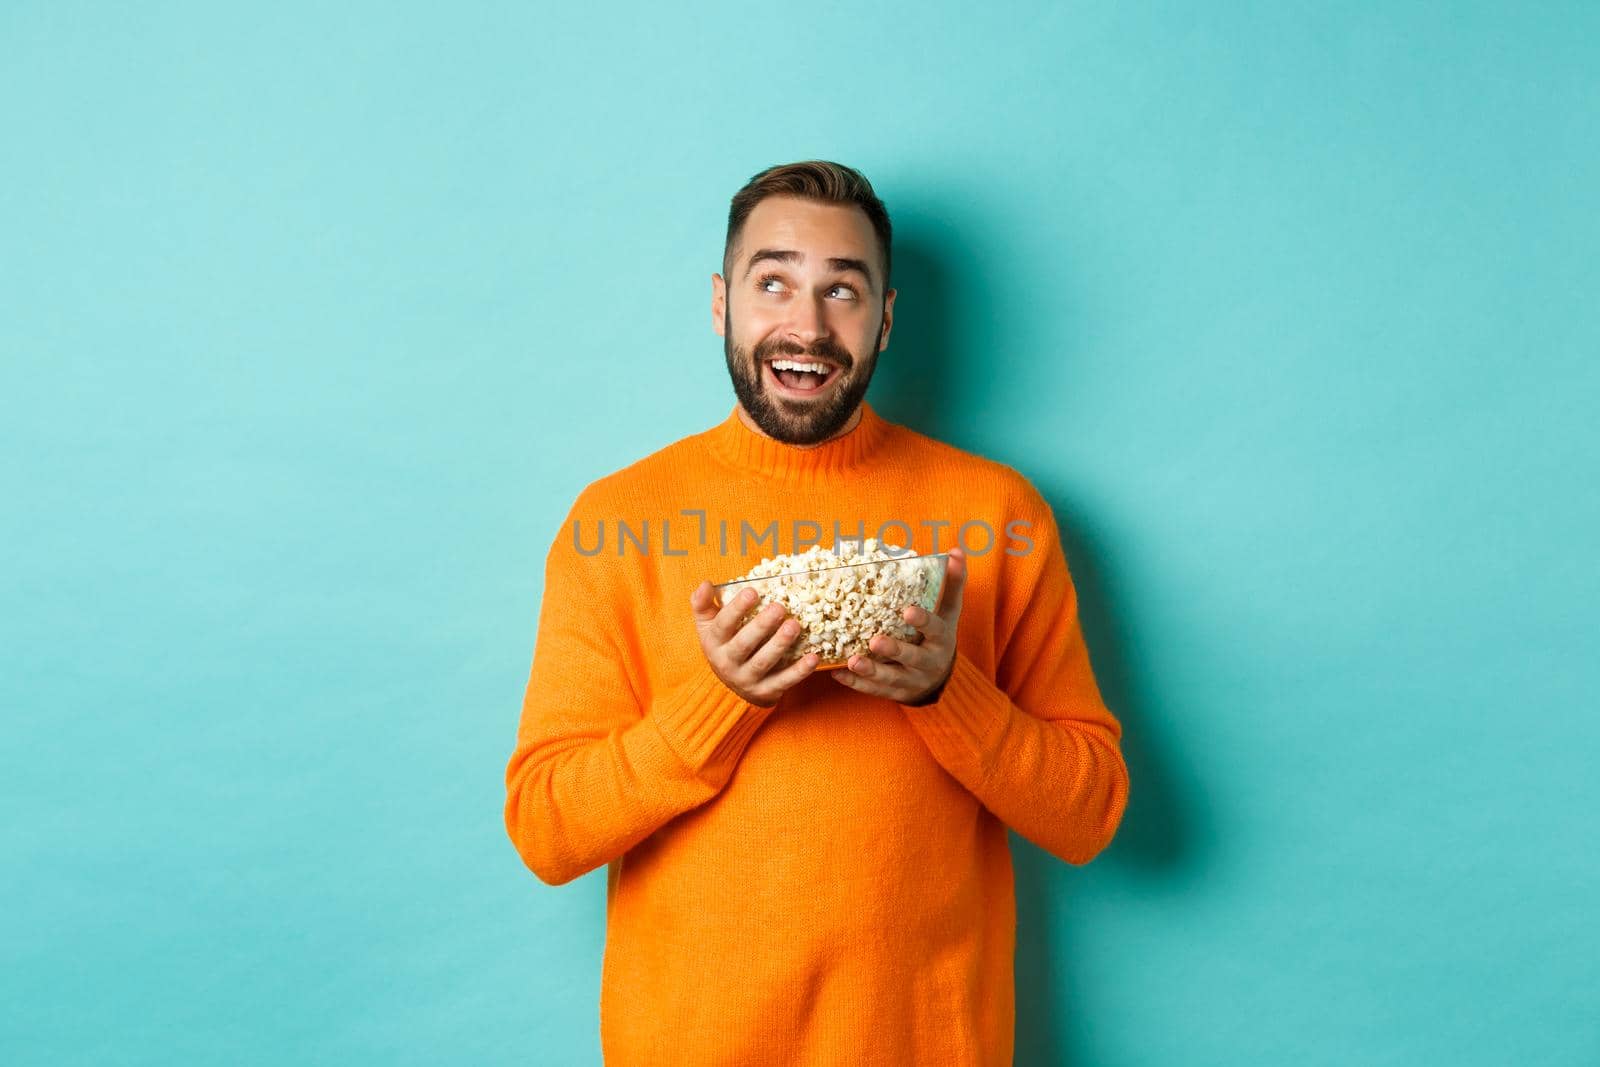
x=813 y=179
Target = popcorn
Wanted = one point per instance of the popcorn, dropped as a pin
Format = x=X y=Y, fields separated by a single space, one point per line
x=844 y=595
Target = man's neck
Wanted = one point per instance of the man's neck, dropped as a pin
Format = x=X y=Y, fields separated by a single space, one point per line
x=855 y=417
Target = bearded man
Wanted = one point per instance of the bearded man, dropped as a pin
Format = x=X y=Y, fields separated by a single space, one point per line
x=808 y=866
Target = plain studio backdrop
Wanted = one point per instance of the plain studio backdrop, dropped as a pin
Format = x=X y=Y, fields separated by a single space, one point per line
x=314 y=320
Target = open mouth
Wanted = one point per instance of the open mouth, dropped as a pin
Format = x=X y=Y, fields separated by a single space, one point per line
x=800 y=377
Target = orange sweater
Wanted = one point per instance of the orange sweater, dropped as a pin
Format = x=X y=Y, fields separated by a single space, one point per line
x=827 y=881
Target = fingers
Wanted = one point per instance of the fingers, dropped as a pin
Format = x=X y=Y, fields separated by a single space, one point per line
x=929 y=625
x=867 y=675
x=767 y=656
x=726 y=621
x=753 y=634
x=770 y=689
x=906 y=654
x=749 y=653
x=759 y=673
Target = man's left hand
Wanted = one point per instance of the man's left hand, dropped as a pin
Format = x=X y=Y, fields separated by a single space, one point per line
x=911 y=671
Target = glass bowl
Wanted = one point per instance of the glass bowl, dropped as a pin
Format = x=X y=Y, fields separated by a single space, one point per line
x=841 y=607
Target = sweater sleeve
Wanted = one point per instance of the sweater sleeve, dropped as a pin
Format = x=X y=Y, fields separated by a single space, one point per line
x=596 y=770
x=1036 y=744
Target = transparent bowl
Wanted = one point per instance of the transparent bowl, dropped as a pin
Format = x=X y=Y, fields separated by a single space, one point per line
x=837 y=624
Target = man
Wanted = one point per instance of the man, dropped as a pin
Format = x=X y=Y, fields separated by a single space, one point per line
x=806 y=867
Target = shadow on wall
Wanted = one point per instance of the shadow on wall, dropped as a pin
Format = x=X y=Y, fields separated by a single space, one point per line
x=1159 y=833
x=921 y=355
x=1158 y=841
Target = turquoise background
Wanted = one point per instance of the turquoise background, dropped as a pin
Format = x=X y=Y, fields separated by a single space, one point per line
x=314 y=320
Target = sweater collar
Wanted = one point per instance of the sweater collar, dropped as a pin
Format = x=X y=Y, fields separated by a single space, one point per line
x=744 y=449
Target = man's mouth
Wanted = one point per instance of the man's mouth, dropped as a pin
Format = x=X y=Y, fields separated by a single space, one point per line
x=800 y=377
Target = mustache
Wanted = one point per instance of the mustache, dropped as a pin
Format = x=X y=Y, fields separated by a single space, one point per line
x=822 y=350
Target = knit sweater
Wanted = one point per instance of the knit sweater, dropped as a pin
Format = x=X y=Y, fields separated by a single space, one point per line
x=826 y=881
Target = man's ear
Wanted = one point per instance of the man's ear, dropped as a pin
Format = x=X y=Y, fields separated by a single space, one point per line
x=719 y=302
x=888 y=320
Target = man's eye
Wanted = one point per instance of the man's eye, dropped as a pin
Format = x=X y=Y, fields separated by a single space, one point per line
x=769 y=279
x=845 y=288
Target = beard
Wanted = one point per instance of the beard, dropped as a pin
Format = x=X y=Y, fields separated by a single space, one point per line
x=796 y=422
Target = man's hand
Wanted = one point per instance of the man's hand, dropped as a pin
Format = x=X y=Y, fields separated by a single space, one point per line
x=745 y=657
x=911 y=671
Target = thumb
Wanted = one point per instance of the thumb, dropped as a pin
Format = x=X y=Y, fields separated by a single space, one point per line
x=955 y=581
x=703 y=601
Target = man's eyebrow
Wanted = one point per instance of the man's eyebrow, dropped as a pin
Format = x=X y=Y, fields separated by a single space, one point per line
x=790 y=256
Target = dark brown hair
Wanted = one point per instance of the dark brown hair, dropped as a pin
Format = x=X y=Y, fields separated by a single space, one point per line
x=813 y=179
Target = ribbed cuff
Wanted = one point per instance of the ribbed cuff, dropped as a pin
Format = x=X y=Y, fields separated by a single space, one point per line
x=964 y=727
x=706 y=724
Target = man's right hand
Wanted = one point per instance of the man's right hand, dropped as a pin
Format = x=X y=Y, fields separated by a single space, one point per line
x=745 y=657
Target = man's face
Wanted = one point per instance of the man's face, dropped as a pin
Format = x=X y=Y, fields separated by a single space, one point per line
x=805 y=283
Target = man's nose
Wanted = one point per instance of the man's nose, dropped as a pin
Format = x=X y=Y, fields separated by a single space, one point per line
x=810 y=321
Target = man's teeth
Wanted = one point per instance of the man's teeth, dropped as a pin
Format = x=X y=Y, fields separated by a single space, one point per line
x=790 y=364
